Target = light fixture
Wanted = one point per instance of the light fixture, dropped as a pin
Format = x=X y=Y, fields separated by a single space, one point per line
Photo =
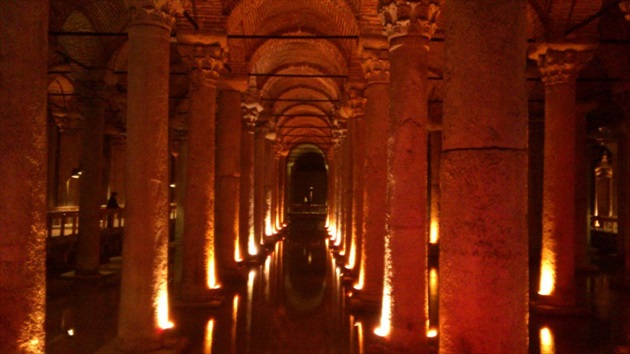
x=76 y=173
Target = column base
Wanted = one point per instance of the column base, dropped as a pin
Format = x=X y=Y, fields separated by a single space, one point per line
x=541 y=308
x=365 y=303
x=199 y=298
x=173 y=345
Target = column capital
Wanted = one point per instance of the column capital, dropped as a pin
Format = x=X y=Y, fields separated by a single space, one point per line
x=409 y=17
x=205 y=61
x=624 y=5
x=560 y=63
x=356 y=102
x=251 y=112
x=281 y=150
x=68 y=122
x=375 y=67
x=154 y=12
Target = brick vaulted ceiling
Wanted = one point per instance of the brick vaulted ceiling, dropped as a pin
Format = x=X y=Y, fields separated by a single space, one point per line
x=301 y=55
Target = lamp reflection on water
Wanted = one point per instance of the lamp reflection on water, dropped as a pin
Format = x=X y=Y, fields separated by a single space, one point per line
x=207 y=342
x=547 y=345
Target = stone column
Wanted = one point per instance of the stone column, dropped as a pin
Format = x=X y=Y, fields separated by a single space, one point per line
x=68 y=155
x=91 y=195
x=143 y=310
x=375 y=64
x=348 y=241
x=250 y=112
x=259 y=181
x=204 y=57
x=23 y=144
x=409 y=26
x=559 y=65
x=228 y=165
x=483 y=271
x=357 y=101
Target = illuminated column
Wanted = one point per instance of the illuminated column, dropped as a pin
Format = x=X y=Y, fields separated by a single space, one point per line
x=143 y=310
x=409 y=26
x=435 y=152
x=250 y=112
x=227 y=191
x=199 y=265
x=23 y=145
x=348 y=190
x=356 y=101
x=91 y=194
x=269 y=181
x=559 y=65
x=259 y=181
x=376 y=70
x=483 y=305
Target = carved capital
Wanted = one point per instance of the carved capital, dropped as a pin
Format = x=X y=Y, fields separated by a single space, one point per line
x=154 y=12
x=69 y=123
x=251 y=112
x=375 y=63
x=409 y=17
x=624 y=5
x=205 y=62
x=561 y=63
x=356 y=102
x=280 y=149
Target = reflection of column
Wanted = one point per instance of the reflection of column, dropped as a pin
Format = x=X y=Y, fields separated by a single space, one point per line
x=199 y=266
x=376 y=70
x=143 y=293
x=228 y=159
x=483 y=271
x=250 y=112
x=409 y=27
x=559 y=65
x=91 y=195
x=23 y=64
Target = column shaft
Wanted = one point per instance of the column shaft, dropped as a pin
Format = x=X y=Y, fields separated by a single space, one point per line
x=23 y=144
x=228 y=157
x=198 y=273
x=91 y=195
x=483 y=271
x=376 y=120
x=247 y=189
x=143 y=293
x=407 y=190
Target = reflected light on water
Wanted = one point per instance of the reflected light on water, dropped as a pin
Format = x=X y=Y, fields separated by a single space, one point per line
x=234 y=321
x=207 y=341
x=386 y=309
x=547 y=345
x=360 y=339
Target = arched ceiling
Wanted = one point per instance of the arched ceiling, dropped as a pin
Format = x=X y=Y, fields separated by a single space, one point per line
x=300 y=54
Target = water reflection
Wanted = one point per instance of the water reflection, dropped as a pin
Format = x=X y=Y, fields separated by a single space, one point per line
x=295 y=302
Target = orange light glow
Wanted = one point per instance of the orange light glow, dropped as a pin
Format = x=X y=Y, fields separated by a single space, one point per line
x=237 y=251
x=547 y=345
x=361 y=280
x=162 y=308
x=210 y=269
x=434 y=232
x=386 y=307
x=207 y=342
x=252 y=248
x=547 y=273
x=432 y=333
x=352 y=257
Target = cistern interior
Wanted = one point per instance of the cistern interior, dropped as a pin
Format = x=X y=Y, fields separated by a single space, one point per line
x=315 y=176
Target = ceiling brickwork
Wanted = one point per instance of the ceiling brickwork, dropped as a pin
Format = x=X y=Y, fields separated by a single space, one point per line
x=302 y=80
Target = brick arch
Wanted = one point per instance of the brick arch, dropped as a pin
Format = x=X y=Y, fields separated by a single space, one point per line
x=82 y=49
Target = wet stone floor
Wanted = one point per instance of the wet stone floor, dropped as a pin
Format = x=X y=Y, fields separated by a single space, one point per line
x=294 y=303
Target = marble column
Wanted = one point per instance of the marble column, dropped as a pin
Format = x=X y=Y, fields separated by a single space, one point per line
x=483 y=275
x=143 y=309
x=23 y=144
x=375 y=64
x=205 y=58
x=559 y=65
x=409 y=26
x=228 y=165
x=250 y=112
x=91 y=195
x=356 y=102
